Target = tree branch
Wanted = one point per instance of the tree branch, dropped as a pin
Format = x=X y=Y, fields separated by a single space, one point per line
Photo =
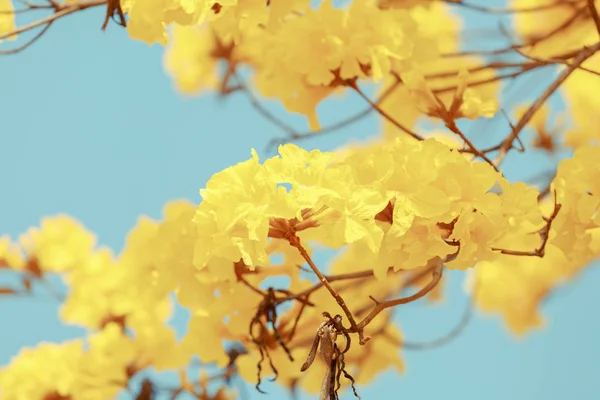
x=380 y=306
x=594 y=13
x=61 y=12
x=583 y=55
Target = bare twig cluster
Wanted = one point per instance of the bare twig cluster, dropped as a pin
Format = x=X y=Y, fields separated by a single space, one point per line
x=58 y=10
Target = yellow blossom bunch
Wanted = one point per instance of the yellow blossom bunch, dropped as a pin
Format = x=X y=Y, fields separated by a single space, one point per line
x=399 y=210
x=342 y=203
x=7 y=20
x=60 y=244
x=437 y=82
x=516 y=287
x=358 y=42
x=364 y=202
x=149 y=19
x=95 y=369
x=23 y=379
x=369 y=41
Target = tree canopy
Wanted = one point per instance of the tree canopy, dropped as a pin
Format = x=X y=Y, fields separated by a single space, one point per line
x=423 y=197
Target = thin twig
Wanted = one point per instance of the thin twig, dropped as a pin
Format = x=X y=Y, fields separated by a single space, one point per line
x=337 y=125
x=594 y=12
x=332 y=278
x=532 y=42
x=584 y=54
x=29 y=8
x=295 y=242
x=552 y=60
x=259 y=107
x=448 y=337
x=544 y=235
x=494 y=10
x=526 y=68
x=28 y=43
x=380 y=306
x=450 y=124
x=63 y=12
x=384 y=114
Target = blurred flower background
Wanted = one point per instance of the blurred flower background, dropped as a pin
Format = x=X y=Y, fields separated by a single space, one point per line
x=92 y=126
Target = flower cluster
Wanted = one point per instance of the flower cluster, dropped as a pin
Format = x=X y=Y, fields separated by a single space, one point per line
x=517 y=286
x=399 y=210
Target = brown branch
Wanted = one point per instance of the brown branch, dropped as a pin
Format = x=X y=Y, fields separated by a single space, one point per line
x=259 y=107
x=450 y=124
x=584 y=54
x=475 y=83
x=414 y=277
x=544 y=193
x=380 y=306
x=250 y=286
x=455 y=332
x=5 y=290
x=494 y=10
x=114 y=7
x=297 y=136
x=295 y=242
x=28 y=277
x=484 y=151
x=337 y=125
x=544 y=235
x=497 y=147
x=553 y=60
x=375 y=106
x=353 y=85
x=594 y=13
x=28 y=43
x=448 y=337
x=61 y=12
x=29 y=8
x=332 y=278
x=479 y=68
x=521 y=147
x=524 y=68
x=532 y=42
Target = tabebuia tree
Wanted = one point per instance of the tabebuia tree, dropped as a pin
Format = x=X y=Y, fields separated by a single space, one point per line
x=422 y=198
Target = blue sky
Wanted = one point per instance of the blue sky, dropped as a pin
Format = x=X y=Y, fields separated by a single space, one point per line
x=91 y=126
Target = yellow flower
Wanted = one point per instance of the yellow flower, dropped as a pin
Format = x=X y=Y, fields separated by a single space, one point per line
x=343 y=212
x=189 y=58
x=28 y=375
x=7 y=19
x=59 y=244
x=434 y=87
x=103 y=367
x=203 y=340
x=516 y=286
x=146 y=21
x=156 y=344
x=11 y=255
x=360 y=42
x=234 y=214
x=466 y=103
x=545 y=134
x=573 y=28
x=581 y=94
